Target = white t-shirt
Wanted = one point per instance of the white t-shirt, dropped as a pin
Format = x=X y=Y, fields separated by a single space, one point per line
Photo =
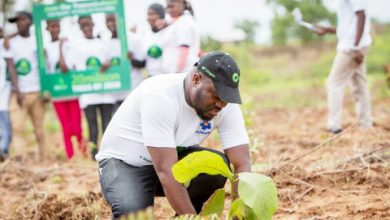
x=52 y=49
x=23 y=51
x=154 y=52
x=5 y=86
x=134 y=46
x=157 y=114
x=183 y=31
x=89 y=52
x=347 y=24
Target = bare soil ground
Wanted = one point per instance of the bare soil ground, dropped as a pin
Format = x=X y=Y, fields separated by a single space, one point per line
x=345 y=178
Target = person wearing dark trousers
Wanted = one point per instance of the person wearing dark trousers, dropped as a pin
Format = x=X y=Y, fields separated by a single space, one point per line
x=163 y=120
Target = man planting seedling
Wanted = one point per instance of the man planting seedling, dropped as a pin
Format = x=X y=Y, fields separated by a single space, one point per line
x=162 y=121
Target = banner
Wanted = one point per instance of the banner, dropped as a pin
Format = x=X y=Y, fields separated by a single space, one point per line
x=89 y=80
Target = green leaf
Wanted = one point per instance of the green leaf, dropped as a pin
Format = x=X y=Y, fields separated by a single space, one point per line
x=259 y=193
x=237 y=209
x=200 y=162
x=215 y=204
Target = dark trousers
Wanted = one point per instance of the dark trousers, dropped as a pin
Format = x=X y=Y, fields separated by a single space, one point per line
x=129 y=189
x=91 y=112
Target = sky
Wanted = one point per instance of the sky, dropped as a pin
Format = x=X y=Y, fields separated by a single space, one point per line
x=216 y=18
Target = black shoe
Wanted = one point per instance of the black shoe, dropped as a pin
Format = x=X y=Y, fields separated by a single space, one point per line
x=335 y=131
x=94 y=151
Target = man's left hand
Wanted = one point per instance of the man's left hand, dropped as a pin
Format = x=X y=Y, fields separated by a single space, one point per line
x=357 y=56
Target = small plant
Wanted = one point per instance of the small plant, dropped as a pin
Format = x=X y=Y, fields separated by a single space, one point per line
x=257 y=195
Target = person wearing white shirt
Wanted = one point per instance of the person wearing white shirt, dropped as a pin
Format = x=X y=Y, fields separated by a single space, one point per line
x=114 y=50
x=181 y=41
x=21 y=58
x=68 y=110
x=91 y=53
x=349 y=67
x=162 y=121
x=5 y=91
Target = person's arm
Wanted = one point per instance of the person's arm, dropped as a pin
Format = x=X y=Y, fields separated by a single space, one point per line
x=14 y=80
x=183 y=56
x=361 y=20
x=321 y=30
x=163 y=160
x=63 y=66
x=240 y=159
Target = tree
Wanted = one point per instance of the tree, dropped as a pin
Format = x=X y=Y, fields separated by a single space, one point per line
x=284 y=27
x=249 y=28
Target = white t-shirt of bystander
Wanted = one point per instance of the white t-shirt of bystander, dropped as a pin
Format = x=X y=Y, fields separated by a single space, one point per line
x=156 y=114
x=23 y=51
x=91 y=52
x=5 y=86
x=183 y=31
x=347 y=24
x=154 y=52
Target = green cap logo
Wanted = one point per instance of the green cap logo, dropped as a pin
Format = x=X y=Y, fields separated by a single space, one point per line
x=93 y=62
x=235 y=77
x=23 y=67
x=115 y=61
x=155 y=51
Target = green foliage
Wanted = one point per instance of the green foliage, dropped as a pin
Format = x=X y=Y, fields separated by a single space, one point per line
x=215 y=204
x=249 y=27
x=379 y=53
x=199 y=162
x=259 y=193
x=284 y=27
x=258 y=196
x=209 y=44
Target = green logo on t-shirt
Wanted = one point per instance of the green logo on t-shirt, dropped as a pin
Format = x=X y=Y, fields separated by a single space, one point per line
x=23 y=67
x=115 y=61
x=155 y=51
x=93 y=62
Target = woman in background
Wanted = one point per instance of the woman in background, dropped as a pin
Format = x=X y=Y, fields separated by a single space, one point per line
x=67 y=109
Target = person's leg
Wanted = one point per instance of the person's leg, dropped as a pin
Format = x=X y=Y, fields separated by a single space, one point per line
x=362 y=95
x=66 y=123
x=91 y=114
x=6 y=132
x=106 y=111
x=36 y=110
x=338 y=79
x=202 y=186
x=76 y=128
x=127 y=188
x=18 y=117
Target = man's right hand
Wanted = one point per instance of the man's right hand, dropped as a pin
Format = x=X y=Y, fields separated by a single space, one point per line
x=320 y=30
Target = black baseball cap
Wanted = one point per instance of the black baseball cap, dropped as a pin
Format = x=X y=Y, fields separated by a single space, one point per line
x=221 y=68
x=19 y=14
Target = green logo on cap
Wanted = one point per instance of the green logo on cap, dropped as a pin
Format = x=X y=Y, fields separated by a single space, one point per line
x=211 y=74
x=23 y=67
x=235 y=77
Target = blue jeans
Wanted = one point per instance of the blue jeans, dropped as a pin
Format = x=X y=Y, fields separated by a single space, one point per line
x=129 y=189
x=5 y=132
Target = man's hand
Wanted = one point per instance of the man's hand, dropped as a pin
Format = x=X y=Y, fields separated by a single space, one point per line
x=357 y=56
x=240 y=158
x=321 y=30
x=163 y=160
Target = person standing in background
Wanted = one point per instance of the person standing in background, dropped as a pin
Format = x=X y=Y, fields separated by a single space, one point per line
x=67 y=109
x=349 y=66
x=5 y=91
x=114 y=50
x=182 y=38
x=153 y=48
x=91 y=53
x=21 y=59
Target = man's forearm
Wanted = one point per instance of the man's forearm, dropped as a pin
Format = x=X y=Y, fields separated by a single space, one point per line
x=13 y=75
x=361 y=20
x=176 y=194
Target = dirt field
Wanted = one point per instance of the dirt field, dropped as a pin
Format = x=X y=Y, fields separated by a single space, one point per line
x=346 y=178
